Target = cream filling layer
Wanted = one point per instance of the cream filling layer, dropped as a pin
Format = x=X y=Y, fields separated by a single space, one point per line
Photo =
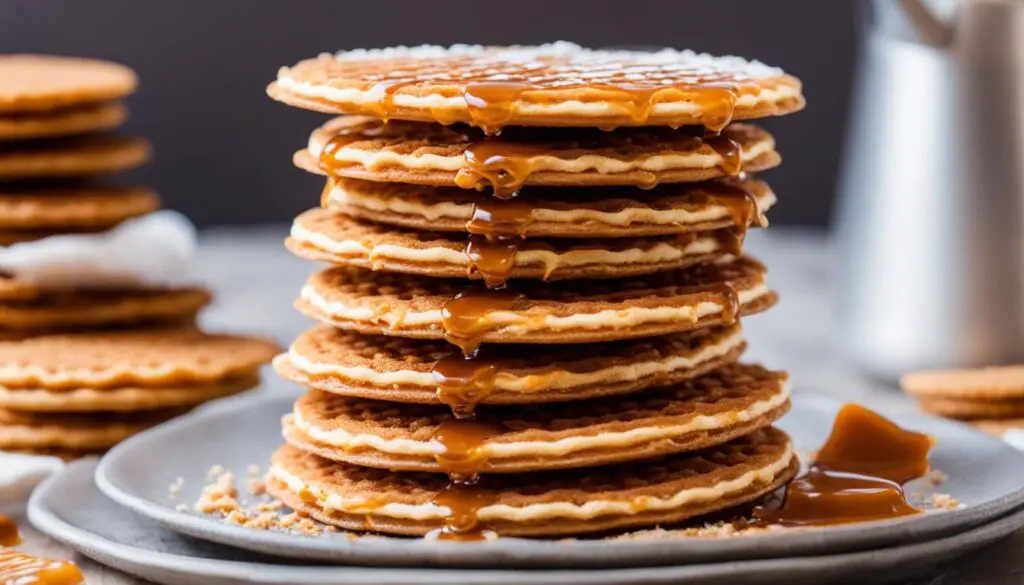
x=551 y=260
x=491 y=450
x=513 y=322
x=558 y=379
x=376 y=159
x=535 y=512
x=464 y=211
x=433 y=101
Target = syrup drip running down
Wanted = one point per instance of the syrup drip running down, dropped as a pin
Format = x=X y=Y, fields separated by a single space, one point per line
x=462 y=382
x=730 y=152
x=459 y=451
x=741 y=203
x=743 y=211
x=9 y=535
x=492 y=259
x=459 y=447
x=328 y=160
x=385 y=105
x=858 y=475
x=325 y=195
x=464 y=500
x=725 y=295
x=496 y=219
x=503 y=165
x=18 y=568
x=465 y=317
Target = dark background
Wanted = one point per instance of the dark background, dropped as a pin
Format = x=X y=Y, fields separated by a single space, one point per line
x=223 y=148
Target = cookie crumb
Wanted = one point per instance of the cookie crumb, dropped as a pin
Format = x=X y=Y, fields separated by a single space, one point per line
x=712 y=530
x=181 y=508
x=937 y=477
x=945 y=502
x=175 y=488
x=271 y=506
x=257 y=487
x=220 y=496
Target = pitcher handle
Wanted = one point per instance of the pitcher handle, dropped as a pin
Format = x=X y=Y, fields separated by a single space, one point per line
x=930 y=28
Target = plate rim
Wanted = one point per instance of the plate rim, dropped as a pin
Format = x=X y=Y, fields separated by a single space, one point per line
x=513 y=552
x=95 y=546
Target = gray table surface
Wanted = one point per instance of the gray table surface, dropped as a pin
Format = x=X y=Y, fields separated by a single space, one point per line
x=256 y=280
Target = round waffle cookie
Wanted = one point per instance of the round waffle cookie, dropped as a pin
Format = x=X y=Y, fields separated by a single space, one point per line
x=998 y=426
x=331 y=236
x=156 y=357
x=127 y=398
x=68 y=208
x=534 y=312
x=396 y=369
x=409 y=152
x=559 y=84
x=13 y=289
x=552 y=503
x=964 y=408
x=74 y=432
x=712 y=409
x=598 y=212
x=127 y=370
x=34 y=83
x=62 y=122
x=99 y=308
x=73 y=157
x=993 y=383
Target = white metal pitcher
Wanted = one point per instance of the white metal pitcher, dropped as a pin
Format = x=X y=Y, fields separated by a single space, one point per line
x=930 y=226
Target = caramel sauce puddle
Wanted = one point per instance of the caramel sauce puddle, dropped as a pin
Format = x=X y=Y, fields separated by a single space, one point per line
x=857 y=476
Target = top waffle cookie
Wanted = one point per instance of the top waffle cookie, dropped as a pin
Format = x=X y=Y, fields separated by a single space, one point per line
x=559 y=84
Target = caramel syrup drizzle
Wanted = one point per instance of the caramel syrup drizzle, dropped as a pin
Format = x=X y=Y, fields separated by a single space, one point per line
x=459 y=446
x=464 y=317
x=730 y=152
x=502 y=219
x=17 y=568
x=504 y=166
x=464 y=501
x=9 y=535
x=492 y=259
x=463 y=382
x=507 y=166
x=493 y=89
x=325 y=195
x=725 y=295
x=459 y=451
x=858 y=475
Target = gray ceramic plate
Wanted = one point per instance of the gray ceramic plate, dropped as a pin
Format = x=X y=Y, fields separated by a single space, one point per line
x=69 y=508
x=985 y=474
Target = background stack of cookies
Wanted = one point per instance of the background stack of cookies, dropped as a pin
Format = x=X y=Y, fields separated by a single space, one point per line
x=555 y=351
x=85 y=390
x=991 y=399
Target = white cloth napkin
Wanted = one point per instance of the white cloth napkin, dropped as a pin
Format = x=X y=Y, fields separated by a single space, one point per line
x=20 y=473
x=150 y=251
x=1015 y=437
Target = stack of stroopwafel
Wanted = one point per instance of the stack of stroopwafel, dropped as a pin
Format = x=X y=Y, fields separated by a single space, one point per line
x=82 y=367
x=536 y=333
x=991 y=398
